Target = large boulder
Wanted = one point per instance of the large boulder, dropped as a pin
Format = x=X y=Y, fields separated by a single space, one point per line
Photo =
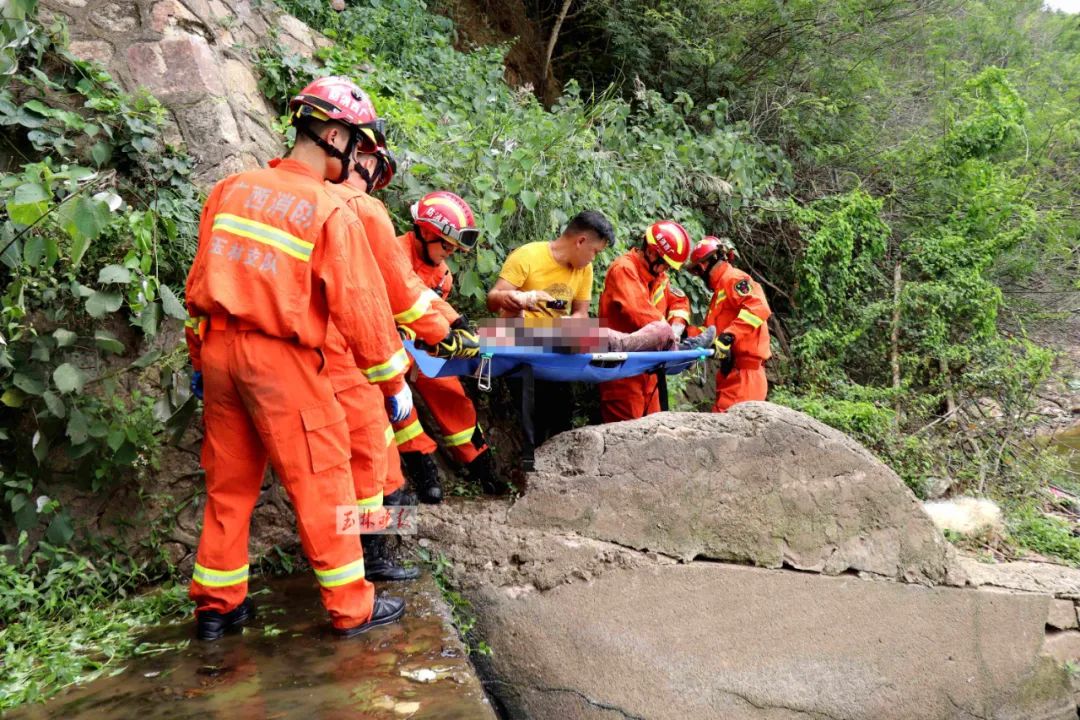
x=709 y=640
x=761 y=484
x=610 y=589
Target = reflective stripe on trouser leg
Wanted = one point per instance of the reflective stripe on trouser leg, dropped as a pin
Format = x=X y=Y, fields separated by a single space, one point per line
x=235 y=461
x=307 y=434
x=408 y=432
x=336 y=577
x=467 y=444
x=454 y=413
x=460 y=438
x=372 y=514
x=410 y=436
x=209 y=577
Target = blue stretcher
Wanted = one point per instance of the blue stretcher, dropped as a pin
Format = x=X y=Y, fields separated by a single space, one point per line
x=532 y=363
x=557 y=367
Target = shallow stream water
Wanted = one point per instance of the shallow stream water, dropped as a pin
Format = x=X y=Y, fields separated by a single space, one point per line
x=287 y=664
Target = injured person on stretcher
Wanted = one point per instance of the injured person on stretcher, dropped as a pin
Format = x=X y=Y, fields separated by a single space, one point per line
x=583 y=335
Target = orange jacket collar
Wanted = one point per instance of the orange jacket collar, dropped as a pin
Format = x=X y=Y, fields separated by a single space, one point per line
x=716 y=274
x=295 y=166
x=637 y=255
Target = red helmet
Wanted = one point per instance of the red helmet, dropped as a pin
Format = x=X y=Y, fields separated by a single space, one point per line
x=671 y=241
x=385 y=167
x=447 y=217
x=339 y=98
x=709 y=251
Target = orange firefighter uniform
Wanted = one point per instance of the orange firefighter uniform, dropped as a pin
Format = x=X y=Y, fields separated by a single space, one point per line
x=739 y=307
x=445 y=397
x=632 y=298
x=376 y=465
x=278 y=257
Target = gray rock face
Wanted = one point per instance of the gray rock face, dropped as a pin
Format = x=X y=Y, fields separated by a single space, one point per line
x=761 y=484
x=1034 y=577
x=604 y=594
x=708 y=640
x=196 y=58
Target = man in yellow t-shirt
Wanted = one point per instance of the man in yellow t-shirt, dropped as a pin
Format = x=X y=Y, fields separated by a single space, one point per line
x=550 y=279
x=553 y=279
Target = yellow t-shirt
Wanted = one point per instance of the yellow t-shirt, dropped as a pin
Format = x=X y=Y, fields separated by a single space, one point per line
x=532 y=267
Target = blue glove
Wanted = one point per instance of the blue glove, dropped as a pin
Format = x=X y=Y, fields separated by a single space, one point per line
x=399 y=406
x=196 y=384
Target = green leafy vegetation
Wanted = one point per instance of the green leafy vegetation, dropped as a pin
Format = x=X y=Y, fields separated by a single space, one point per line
x=97 y=222
x=887 y=207
x=1045 y=534
x=898 y=174
x=524 y=169
x=461 y=611
x=97 y=227
x=65 y=619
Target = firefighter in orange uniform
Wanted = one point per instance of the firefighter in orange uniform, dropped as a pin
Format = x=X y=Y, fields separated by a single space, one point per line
x=376 y=466
x=278 y=258
x=740 y=314
x=442 y=224
x=637 y=291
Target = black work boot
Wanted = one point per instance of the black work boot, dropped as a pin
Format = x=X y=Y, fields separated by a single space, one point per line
x=212 y=625
x=387 y=610
x=481 y=473
x=425 y=477
x=399 y=497
x=379 y=564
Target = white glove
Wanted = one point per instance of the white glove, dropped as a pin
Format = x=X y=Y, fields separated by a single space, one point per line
x=531 y=299
x=679 y=328
x=399 y=406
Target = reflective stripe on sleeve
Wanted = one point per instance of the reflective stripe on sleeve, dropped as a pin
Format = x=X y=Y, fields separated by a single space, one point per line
x=717 y=299
x=750 y=318
x=389 y=435
x=679 y=314
x=421 y=306
x=219 y=578
x=390 y=369
x=335 y=577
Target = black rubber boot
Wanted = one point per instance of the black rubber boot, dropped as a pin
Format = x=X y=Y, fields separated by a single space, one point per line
x=379 y=565
x=399 y=497
x=387 y=610
x=425 y=477
x=212 y=625
x=481 y=473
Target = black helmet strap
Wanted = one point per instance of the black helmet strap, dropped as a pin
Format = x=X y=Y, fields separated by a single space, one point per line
x=344 y=156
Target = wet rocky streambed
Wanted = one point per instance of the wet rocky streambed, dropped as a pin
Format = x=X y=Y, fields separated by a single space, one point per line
x=287 y=664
